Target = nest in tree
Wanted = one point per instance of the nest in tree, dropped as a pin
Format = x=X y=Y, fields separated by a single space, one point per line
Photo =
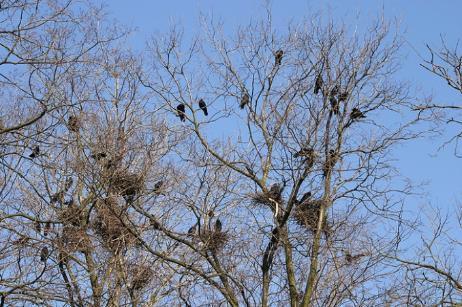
x=306 y=215
x=274 y=194
x=141 y=275
x=111 y=224
x=74 y=239
x=71 y=215
x=213 y=240
x=126 y=184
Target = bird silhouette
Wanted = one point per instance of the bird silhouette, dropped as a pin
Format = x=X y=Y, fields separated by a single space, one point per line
x=356 y=114
x=38 y=226
x=278 y=57
x=218 y=226
x=35 y=152
x=305 y=196
x=158 y=187
x=203 y=107
x=335 y=105
x=318 y=84
x=343 y=96
x=47 y=228
x=73 y=123
x=192 y=230
x=244 y=100
x=181 y=111
x=44 y=253
x=98 y=156
x=334 y=90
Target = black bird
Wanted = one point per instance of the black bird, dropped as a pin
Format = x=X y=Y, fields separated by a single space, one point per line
x=44 y=253
x=218 y=226
x=68 y=184
x=155 y=224
x=203 y=107
x=35 y=152
x=318 y=84
x=356 y=114
x=47 y=228
x=180 y=109
x=158 y=187
x=192 y=230
x=73 y=124
x=98 y=156
x=305 y=197
x=38 y=226
x=278 y=57
x=335 y=105
x=334 y=91
x=343 y=96
x=244 y=100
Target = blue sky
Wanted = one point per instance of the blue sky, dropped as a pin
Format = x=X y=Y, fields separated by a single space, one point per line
x=421 y=22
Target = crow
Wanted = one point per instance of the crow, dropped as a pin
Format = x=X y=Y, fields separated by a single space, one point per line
x=44 y=253
x=203 y=107
x=38 y=226
x=343 y=96
x=35 y=152
x=334 y=91
x=218 y=226
x=181 y=111
x=47 y=228
x=305 y=197
x=98 y=156
x=73 y=124
x=68 y=184
x=335 y=105
x=356 y=114
x=244 y=100
x=278 y=57
x=155 y=224
x=318 y=84
x=192 y=231
x=158 y=187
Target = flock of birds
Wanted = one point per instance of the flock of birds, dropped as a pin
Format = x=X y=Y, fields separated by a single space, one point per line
x=335 y=96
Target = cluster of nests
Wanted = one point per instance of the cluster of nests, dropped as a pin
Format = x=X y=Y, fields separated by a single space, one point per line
x=305 y=213
x=212 y=239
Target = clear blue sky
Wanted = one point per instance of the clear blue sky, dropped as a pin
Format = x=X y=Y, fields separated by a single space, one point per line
x=421 y=22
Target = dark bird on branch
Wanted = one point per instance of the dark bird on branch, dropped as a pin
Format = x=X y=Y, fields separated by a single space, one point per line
x=356 y=114
x=73 y=124
x=343 y=96
x=278 y=57
x=318 y=84
x=218 y=226
x=180 y=109
x=158 y=187
x=203 y=107
x=334 y=91
x=352 y=258
x=192 y=230
x=35 y=152
x=68 y=184
x=305 y=196
x=38 y=226
x=47 y=228
x=155 y=224
x=308 y=154
x=98 y=156
x=335 y=105
x=244 y=100
x=44 y=253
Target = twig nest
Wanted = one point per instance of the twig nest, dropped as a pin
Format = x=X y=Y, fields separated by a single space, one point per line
x=74 y=239
x=126 y=184
x=306 y=214
x=111 y=224
x=71 y=215
x=213 y=240
x=140 y=275
x=274 y=194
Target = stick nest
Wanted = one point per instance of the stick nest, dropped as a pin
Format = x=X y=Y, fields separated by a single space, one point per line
x=213 y=240
x=111 y=224
x=141 y=275
x=306 y=215
x=74 y=239
x=126 y=184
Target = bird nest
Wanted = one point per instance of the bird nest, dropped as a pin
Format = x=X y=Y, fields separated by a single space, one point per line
x=306 y=215
x=111 y=224
x=74 y=239
x=213 y=240
x=71 y=215
x=141 y=275
x=126 y=184
x=269 y=198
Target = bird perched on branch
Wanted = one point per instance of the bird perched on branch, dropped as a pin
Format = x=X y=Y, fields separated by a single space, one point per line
x=334 y=90
x=158 y=187
x=73 y=124
x=181 y=111
x=35 y=152
x=98 y=156
x=318 y=84
x=343 y=96
x=218 y=226
x=308 y=154
x=44 y=253
x=203 y=107
x=356 y=114
x=47 y=228
x=244 y=100
x=335 y=105
x=192 y=230
x=278 y=57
